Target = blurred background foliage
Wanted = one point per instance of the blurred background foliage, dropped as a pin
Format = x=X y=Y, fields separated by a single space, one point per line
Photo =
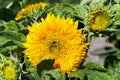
x=9 y=8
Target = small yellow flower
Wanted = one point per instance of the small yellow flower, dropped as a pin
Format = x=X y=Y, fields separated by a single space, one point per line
x=30 y=8
x=56 y=38
x=9 y=70
x=99 y=20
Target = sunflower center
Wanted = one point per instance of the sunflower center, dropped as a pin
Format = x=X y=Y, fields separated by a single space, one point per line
x=53 y=46
x=54 y=43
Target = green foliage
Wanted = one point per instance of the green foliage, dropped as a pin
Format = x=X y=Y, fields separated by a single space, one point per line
x=5 y=3
x=44 y=71
x=52 y=74
x=81 y=11
x=79 y=73
x=95 y=71
x=44 y=65
x=34 y=74
x=113 y=65
x=11 y=36
x=2 y=58
x=92 y=71
x=115 y=8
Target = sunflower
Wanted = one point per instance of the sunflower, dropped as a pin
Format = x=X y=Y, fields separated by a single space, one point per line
x=30 y=8
x=9 y=70
x=56 y=38
x=99 y=20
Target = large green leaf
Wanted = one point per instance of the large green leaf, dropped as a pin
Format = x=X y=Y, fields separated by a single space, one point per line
x=46 y=72
x=77 y=74
x=95 y=71
x=45 y=65
x=52 y=74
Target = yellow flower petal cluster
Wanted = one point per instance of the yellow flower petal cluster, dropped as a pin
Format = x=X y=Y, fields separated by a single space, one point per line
x=30 y=8
x=9 y=70
x=56 y=38
x=99 y=20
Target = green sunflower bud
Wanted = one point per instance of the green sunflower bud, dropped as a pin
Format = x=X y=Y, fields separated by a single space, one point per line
x=99 y=20
x=9 y=70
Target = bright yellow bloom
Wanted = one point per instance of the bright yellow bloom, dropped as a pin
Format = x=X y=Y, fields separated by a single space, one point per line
x=56 y=38
x=30 y=8
x=99 y=20
x=8 y=70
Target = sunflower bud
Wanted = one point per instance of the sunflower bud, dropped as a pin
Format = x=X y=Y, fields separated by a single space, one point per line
x=99 y=20
x=9 y=70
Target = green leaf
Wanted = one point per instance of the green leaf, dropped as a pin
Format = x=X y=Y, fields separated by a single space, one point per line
x=117 y=1
x=116 y=8
x=46 y=72
x=2 y=27
x=1 y=77
x=117 y=54
x=19 y=44
x=46 y=77
x=92 y=65
x=14 y=35
x=8 y=49
x=2 y=58
x=10 y=41
x=45 y=65
x=116 y=22
x=12 y=25
x=4 y=40
x=95 y=71
x=53 y=74
x=81 y=11
x=113 y=65
x=34 y=74
x=97 y=75
x=27 y=63
x=78 y=74
x=118 y=36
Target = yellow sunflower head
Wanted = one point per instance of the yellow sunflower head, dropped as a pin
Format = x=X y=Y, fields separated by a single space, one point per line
x=99 y=20
x=30 y=8
x=56 y=38
x=8 y=70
